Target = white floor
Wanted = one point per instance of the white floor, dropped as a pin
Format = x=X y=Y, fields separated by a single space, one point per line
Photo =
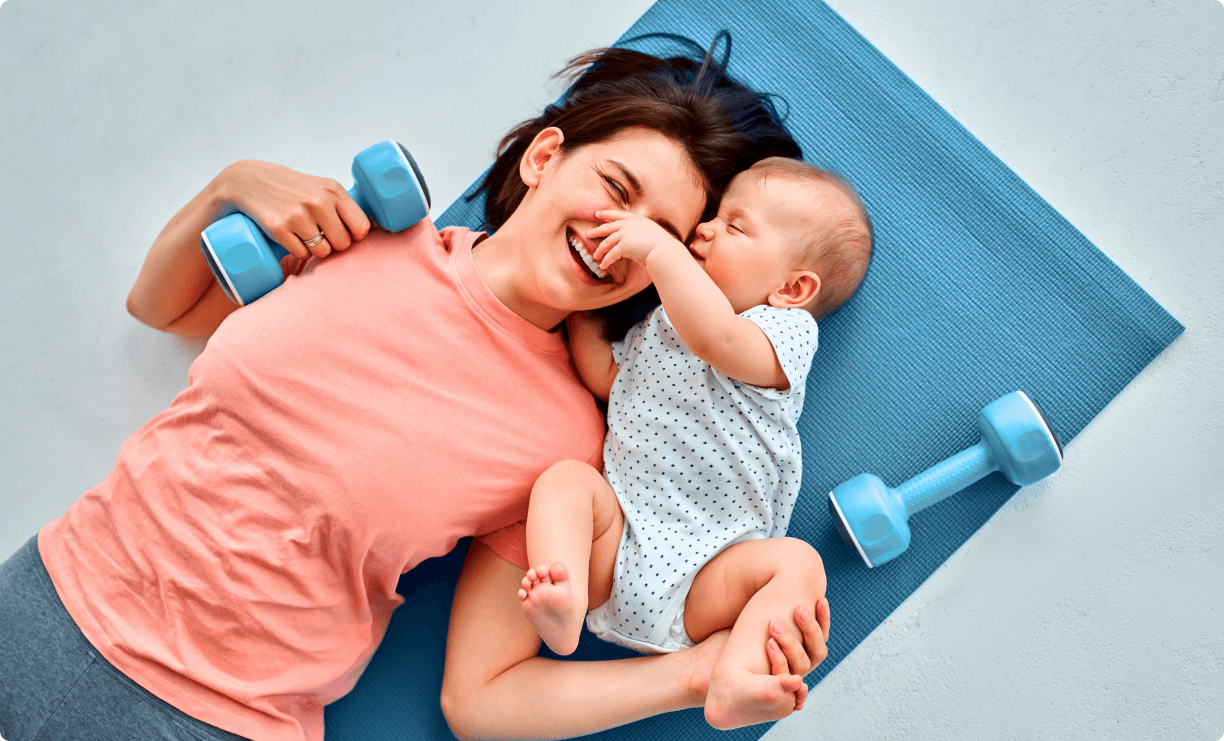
x=1089 y=607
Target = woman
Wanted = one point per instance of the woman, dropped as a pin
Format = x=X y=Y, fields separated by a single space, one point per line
x=237 y=569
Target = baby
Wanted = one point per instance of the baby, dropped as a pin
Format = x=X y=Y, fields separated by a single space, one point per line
x=681 y=536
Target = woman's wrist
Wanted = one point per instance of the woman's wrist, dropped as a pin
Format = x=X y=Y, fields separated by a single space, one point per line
x=224 y=191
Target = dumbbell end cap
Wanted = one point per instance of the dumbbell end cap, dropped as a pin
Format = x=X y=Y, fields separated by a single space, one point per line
x=1020 y=438
x=245 y=263
x=873 y=515
x=839 y=519
x=389 y=186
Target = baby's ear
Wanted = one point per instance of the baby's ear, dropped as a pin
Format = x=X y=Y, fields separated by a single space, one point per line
x=799 y=290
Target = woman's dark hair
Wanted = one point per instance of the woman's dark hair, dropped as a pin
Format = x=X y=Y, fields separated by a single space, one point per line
x=722 y=125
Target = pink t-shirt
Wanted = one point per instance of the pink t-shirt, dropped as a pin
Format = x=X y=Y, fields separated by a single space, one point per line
x=241 y=560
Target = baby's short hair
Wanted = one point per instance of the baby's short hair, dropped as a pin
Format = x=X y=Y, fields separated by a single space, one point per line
x=837 y=249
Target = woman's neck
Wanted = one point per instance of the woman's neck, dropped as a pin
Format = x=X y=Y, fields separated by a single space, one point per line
x=502 y=264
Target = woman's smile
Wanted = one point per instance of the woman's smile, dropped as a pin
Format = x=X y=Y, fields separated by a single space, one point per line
x=579 y=249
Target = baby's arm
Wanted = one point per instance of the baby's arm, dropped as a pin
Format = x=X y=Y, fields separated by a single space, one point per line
x=592 y=353
x=699 y=311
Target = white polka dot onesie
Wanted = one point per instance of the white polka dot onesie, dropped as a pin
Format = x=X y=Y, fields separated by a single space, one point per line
x=698 y=461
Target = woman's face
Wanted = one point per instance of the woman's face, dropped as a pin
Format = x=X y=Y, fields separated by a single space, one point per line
x=638 y=170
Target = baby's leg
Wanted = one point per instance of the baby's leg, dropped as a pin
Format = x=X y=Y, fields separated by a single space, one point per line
x=574 y=527
x=748 y=585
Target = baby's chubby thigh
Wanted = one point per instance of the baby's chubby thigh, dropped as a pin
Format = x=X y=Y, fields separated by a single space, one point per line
x=775 y=575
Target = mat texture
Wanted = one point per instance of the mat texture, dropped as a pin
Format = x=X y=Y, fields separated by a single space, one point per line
x=978 y=288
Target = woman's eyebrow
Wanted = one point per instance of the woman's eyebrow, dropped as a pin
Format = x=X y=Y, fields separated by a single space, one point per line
x=636 y=186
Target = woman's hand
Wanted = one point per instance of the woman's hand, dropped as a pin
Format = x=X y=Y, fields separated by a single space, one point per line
x=790 y=654
x=295 y=208
x=175 y=290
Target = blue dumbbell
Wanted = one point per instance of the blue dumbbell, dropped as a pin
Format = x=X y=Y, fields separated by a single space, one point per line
x=1017 y=440
x=387 y=185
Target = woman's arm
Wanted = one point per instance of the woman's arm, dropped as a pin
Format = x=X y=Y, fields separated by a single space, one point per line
x=592 y=353
x=495 y=686
x=175 y=290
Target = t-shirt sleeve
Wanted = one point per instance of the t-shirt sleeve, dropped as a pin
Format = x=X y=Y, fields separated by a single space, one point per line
x=510 y=542
x=792 y=332
x=293 y=265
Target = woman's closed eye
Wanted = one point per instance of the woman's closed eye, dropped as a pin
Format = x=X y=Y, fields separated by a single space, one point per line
x=621 y=194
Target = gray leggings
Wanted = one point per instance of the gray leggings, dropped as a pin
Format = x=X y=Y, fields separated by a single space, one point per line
x=54 y=685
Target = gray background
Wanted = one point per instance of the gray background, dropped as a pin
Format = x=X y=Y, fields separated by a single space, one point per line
x=1088 y=607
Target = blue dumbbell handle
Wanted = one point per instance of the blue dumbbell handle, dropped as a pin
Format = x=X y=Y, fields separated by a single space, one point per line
x=945 y=479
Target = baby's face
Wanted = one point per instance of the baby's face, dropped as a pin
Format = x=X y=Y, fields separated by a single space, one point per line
x=749 y=249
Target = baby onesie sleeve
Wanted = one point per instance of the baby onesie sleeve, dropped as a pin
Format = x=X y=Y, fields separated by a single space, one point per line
x=792 y=332
x=623 y=351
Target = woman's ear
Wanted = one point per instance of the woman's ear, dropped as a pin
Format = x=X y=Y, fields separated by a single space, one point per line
x=799 y=290
x=543 y=148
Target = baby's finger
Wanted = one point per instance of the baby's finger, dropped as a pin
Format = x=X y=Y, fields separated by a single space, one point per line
x=605 y=248
x=612 y=214
x=611 y=258
x=603 y=230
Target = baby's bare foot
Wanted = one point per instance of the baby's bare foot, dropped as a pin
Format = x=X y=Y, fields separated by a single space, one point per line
x=737 y=697
x=548 y=600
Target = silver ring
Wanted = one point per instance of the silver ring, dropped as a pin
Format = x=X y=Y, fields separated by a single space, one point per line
x=316 y=240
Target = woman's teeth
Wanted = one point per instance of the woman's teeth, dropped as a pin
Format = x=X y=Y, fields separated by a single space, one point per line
x=589 y=261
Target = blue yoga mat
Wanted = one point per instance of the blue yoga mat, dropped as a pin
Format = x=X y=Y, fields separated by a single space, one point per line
x=978 y=288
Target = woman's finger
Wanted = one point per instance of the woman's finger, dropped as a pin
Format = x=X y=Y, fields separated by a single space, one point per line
x=793 y=647
x=355 y=221
x=777 y=660
x=316 y=243
x=334 y=230
x=824 y=617
x=815 y=630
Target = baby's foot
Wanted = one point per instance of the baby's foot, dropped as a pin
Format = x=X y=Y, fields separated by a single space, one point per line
x=737 y=697
x=548 y=599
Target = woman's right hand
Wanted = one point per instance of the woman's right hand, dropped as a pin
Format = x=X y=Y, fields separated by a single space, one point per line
x=293 y=207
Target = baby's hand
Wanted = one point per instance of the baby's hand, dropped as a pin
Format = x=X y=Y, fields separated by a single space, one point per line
x=627 y=236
